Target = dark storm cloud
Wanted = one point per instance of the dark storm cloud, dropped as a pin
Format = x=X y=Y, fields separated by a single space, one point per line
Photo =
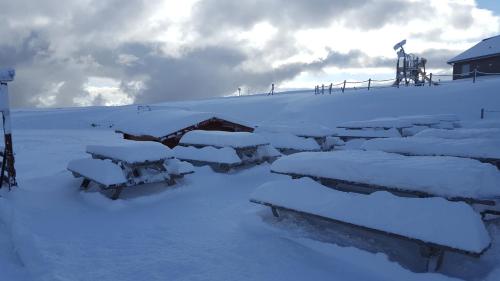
x=214 y=15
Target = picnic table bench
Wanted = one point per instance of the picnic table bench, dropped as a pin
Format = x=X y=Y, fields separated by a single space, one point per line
x=316 y=132
x=456 y=179
x=228 y=149
x=481 y=149
x=114 y=167
x=434 y=224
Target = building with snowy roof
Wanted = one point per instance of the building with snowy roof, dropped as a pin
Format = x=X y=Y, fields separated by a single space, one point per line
x=484 y=57
x=168 y=126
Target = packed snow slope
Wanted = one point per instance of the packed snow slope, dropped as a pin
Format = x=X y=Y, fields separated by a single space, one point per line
x=204 y=228
x=462 y=98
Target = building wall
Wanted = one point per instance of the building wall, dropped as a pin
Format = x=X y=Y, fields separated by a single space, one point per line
x=487 y=65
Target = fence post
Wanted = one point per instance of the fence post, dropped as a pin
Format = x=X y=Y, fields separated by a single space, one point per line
x=430 y=80
x=482 y=113
x=369 y=83
x=322 y=89
x=343 y=87
x=474 y=77
x=330 y=90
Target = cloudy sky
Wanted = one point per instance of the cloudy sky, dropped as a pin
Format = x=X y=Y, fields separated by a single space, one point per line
x=111 y=52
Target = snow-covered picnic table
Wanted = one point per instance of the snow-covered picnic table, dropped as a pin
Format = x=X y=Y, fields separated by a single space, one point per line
x=288 y=143
x=460 y=133
x=404 y=125
x=368 y=133
x=224 y=150
x=484 y=150
x=306 y=130
x=367 y=171
x=436 y=223
x=403 y=122
x=128 y=164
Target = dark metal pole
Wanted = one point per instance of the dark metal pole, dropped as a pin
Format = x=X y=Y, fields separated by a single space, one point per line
x=369 y=83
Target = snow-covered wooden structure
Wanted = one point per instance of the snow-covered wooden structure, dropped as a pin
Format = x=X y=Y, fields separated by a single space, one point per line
x=390 y=127
x=169 y=125
x=434 y=224
x=456 y=179
x=306 y=132
x=224 y=150
x=483 y=149
x=409 y=67
x=483 y=57
x=114 y=167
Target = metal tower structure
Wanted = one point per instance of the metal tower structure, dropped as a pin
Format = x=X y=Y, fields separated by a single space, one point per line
x=409 y=68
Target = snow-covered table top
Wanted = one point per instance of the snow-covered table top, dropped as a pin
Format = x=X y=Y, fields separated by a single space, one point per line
x=161 y=123
x=102 y=171
x=461 y=133
x=178 y=167
x=225 y=155
x=433 y=220
x=472 y=148
x=222 y=139
x=367 y=133
x=132 y=151
x=400 y=122
x=305 y=130
x=290 y=141
x=438 y=175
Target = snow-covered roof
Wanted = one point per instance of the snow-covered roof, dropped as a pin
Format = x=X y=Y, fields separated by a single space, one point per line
x=161 y=123
x=434 y=220
x=486 y=48
x=222 y=139
x=438 y=175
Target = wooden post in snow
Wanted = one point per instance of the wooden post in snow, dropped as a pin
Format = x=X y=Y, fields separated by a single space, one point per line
x=369 y=83
x=343 y=87
x=8 y=170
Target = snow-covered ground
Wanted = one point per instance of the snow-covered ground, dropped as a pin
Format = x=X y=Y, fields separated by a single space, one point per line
x=203 y=228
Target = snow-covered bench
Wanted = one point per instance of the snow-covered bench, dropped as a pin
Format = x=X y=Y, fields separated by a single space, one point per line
x=219 y=159
x=137 y=162
x=484 y=150
x=457 y=179
x=249 y=148
x=437 y=225
x=366 y=133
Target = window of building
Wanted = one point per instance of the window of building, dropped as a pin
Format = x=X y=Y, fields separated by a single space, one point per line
x=465 y=68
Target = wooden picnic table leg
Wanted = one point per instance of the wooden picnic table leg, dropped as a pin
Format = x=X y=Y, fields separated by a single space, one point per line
x=435 y=257
x=275 y=212
x=117 y=192
x=85 y=184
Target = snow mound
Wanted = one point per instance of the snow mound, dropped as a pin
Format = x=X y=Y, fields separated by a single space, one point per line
x=438 y=175
x=222 y=139
x=178 y=167
x=102 y=171
x=472 y=148
x=132 y=151
x=434 y=220
x=225 y=155
x=461 y=133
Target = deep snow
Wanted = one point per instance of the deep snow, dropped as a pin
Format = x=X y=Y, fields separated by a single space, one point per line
x=203 y=228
